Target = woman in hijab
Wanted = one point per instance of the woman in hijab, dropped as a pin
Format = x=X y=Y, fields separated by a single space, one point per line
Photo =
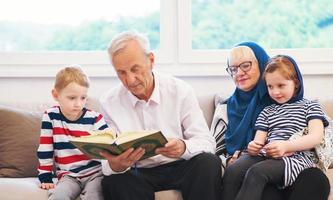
x=246 y=64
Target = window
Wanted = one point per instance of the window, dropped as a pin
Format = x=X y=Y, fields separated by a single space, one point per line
x=301 y=29
x=75 y=25
x=84 y=29
x=220 y=24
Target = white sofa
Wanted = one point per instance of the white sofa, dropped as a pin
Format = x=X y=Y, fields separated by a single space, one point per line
x=19 y=134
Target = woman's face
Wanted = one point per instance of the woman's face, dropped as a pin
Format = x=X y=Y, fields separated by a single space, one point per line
x=245 y=80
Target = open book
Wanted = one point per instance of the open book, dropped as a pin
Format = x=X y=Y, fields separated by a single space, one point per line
x=99 y=141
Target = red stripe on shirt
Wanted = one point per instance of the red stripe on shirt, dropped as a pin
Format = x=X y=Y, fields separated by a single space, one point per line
x=99 y=118
x=70 y=159
x=63 y=131
x=60 y=175
x=46 y=167
x=46 y=140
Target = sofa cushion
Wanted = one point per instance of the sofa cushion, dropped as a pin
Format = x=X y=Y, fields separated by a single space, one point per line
x=19 y=137
x=327 y=106
x=21 y=188
x=206 y=103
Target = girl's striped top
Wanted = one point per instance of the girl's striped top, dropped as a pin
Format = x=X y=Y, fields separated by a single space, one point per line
x=284 y=120
x=55 y=148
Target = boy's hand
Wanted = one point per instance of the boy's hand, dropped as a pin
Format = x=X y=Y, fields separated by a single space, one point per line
x=254 y=147
x=47 y=186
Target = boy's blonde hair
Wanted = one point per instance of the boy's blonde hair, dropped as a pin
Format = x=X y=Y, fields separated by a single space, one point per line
x=69 y=75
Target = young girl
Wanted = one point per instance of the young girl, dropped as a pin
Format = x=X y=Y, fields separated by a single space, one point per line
x=272 y=157
x=76 y=173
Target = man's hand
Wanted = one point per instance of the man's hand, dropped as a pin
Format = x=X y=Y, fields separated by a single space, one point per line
x=47 y=186
x=125 y=160
x=175 y=148
x=254 y=147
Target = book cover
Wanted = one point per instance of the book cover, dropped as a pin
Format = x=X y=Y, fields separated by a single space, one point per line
x=93 y=144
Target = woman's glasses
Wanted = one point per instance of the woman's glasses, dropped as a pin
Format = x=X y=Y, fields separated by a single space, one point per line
x=244 y=66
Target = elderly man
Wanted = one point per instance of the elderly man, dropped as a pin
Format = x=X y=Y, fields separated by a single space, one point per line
x=147 y=100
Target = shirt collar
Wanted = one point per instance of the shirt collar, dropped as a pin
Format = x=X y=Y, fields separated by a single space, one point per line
x=155 y=96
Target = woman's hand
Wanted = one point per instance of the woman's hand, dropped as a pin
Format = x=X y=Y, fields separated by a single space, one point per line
x=254 y=147
x=125 y=160
x=234 y=157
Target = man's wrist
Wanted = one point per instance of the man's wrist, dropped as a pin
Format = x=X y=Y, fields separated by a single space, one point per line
x=117 y=170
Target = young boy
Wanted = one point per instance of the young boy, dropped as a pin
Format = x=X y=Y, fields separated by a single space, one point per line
x=76 y=173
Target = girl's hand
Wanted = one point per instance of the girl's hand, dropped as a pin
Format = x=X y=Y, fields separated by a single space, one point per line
x=277 y=149
x=254 y=147
x=47 y=186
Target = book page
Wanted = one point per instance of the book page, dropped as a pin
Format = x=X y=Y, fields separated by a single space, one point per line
x=101 y=138
x=129 y=136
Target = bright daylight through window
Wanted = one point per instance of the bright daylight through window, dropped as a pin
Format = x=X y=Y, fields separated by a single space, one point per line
x=74 y=25
x=220 y=24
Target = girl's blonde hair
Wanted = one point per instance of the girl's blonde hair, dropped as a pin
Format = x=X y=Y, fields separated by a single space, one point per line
x=284 y=66
x=69 y=75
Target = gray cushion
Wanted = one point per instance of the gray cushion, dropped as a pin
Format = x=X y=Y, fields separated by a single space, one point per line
x=19 y=136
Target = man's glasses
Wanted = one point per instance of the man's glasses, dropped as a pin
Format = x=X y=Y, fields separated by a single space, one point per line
x=244 y=66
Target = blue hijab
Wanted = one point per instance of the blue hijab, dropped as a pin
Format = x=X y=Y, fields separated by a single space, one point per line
x=300 y=92
x=243 y=107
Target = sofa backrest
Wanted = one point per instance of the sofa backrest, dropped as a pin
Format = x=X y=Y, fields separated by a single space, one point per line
x=327 y=105
x=20 y=126
x=206 y=102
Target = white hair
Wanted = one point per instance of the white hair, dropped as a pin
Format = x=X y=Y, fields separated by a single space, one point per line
x=119 y=42
x=239 y=52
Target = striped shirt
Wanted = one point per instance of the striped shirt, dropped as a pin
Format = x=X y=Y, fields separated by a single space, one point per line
x=281 y=122
x=55 y=148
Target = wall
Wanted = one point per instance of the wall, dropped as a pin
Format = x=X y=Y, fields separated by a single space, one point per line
x=37 y=89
